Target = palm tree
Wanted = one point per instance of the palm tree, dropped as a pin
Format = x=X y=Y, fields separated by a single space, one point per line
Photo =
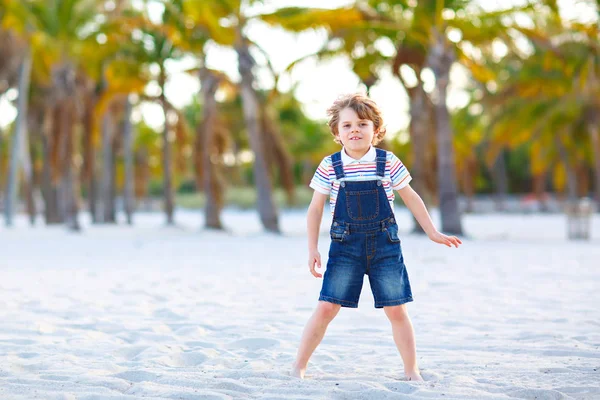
x=71 y=67
x=440 y=59
x=18 y=149
x=207 y=15
x=363 y=24
x=157 y=46
x=193 y=39
x=52 y=29
x=128 y=192
x=205 y=142
x=549 y=99
x=266 y=206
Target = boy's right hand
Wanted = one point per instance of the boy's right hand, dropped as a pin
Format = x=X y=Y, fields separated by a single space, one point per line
x=314 y=259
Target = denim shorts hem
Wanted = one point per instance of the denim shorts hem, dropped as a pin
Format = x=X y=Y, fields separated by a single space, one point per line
x=388 y=303
x=343 y=303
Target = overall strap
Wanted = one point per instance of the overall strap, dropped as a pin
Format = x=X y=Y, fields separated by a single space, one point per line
x=381 y=162
x=338 y=166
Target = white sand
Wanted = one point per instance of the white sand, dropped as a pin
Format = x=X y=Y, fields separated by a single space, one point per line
x=181 y=313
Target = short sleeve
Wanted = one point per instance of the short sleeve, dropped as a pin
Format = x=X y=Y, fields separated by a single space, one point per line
x=320 y=181
x=399 y=175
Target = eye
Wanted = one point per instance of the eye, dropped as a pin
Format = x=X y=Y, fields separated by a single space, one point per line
x=363 y=124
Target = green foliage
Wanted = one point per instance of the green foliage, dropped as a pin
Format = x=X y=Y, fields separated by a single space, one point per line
x=245 y=198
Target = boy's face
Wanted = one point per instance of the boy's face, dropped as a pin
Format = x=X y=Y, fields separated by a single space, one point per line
x=355 y=134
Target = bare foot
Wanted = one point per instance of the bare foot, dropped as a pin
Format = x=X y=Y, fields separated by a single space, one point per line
x=297 y=371
x=413 y=376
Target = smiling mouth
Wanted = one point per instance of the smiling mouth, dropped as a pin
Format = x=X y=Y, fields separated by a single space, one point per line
x=355 y=138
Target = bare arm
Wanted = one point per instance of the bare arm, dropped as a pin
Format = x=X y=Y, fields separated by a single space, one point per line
x=416 y=206
x=313 y=224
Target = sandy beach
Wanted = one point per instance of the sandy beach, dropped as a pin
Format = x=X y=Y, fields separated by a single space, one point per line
x=121 y=312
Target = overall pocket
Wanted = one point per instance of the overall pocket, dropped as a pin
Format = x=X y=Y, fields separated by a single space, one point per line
x=337 y=232
x=362 y=205
x=392 y=233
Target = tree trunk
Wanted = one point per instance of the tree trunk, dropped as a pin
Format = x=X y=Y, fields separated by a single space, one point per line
x=166 y=152
x=49 y=190
x=107 y=204
x=63 y=159
x=440 y=59
x=571 y=175
x=539 y=189
x=468 y=185
x=595 y=138
x=142 y=177
x=28 y=184
x=70 y=186
x=113 y=172
x=210 y=182
x=128 y=190
x=89 y=166
x=501 y=181
x=583 y=179
x=18 y=139
x=418 y=133
x=266 y=206
x=419 y=116
x=279 y=158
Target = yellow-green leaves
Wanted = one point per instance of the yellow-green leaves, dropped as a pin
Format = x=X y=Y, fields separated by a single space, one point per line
x=217 y=18
x=299 y=19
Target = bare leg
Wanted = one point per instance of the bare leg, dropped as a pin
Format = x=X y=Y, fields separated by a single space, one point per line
x=313 y=334
x=404 y=337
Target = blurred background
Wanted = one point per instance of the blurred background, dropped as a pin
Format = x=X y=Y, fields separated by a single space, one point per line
x=108 y=108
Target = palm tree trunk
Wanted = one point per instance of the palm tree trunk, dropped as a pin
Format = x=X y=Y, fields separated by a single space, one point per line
x=419 y=116
x=28 y=185
x=595 y=137
x=571 y=175
x=280 y=159
x=69 y=180
x=61 y=159
x=583 y=178
x=166 y=152
x=266 y=207
x=572 y=204
x=501 y=181
x=128 y=191
x=113 y=173
x=468 y=185
x=89 y=166
x=539 y=189
x=18 y=139
x=107 y=202
x=142 y=177
x=48 y=189
x=440 y=59
x=210 y=181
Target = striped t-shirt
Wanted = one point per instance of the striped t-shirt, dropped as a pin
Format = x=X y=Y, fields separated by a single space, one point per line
x=396 y=175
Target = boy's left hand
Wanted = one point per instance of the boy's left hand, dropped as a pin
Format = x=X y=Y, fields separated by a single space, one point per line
x=440 y=238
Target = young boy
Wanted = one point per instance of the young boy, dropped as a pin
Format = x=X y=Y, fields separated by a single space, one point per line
x=360 y=180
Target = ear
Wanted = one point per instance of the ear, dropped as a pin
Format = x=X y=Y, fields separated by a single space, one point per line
x=375 y=136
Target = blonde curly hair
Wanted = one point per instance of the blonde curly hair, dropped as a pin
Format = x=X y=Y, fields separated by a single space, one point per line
x=364 y=107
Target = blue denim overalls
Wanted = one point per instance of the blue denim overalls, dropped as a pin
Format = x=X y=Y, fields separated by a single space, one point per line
x=364 y=240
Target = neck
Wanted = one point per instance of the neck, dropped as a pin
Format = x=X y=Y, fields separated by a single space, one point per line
x=357 y=154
